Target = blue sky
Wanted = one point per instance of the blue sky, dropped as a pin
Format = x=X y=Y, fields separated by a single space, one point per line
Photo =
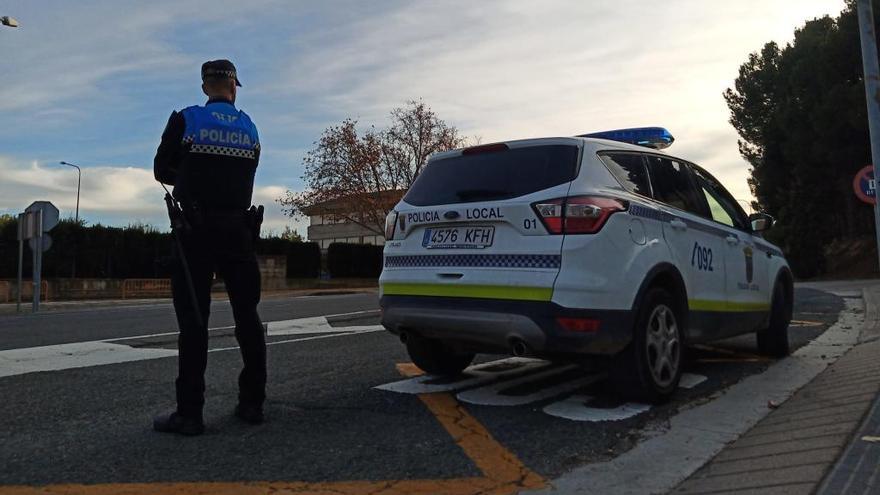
x=92 y=82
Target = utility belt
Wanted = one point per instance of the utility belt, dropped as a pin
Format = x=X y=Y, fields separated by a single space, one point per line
x=199 y=216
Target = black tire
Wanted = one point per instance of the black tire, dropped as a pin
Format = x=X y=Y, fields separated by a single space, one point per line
x=636 y=370
x=435 y=357
x=773 y=340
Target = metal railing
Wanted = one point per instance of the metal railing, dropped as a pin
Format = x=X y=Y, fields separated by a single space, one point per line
x=146 y=287
x=8 y=291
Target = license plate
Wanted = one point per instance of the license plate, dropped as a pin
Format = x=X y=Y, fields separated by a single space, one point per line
x=459 y=238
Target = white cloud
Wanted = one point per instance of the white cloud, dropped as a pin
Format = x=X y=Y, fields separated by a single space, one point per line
x=497 y=69
x=115 y=195
x=512 y=69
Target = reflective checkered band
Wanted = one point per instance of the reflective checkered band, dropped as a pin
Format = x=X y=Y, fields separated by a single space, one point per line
x=222 y=150
x=542 y=261
x=651 y=213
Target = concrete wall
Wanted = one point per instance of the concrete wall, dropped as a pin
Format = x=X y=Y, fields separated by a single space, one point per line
x=273 y=273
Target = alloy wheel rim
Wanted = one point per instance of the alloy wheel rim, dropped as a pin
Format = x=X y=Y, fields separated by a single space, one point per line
x=663 y=345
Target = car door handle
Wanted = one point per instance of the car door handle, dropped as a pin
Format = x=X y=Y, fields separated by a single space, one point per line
x=732 y=240
x=677 y=224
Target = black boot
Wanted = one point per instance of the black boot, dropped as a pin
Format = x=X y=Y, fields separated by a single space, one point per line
x=249 y=414
x=175 y=423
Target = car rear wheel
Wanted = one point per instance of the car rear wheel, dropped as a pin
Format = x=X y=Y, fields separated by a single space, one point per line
x=650 y=368
x=773 y=340
x=435 y=357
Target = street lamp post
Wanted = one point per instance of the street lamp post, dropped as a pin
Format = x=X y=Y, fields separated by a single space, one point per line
x=78 y=178
x=8 y=21
x=78 y=181
x=871 y=69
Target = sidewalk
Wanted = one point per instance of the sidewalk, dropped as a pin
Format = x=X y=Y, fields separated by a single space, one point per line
x=819 y=441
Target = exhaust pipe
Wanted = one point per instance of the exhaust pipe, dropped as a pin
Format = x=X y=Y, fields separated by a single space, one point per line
x=519 y=348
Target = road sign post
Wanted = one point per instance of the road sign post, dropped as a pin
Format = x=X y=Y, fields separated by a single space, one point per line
x=865 y=185
x=38 y=260
x=38 y=218
x=21 y=220
x=871 y=68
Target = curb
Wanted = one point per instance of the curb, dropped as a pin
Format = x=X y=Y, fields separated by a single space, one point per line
x=801 y=443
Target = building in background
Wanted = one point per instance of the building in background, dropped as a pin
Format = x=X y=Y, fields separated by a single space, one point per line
x=333 y=221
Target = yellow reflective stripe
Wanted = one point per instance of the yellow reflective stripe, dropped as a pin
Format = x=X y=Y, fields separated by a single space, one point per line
x=476 y=291
x=725 y=306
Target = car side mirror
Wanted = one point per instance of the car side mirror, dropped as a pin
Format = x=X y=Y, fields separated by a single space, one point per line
x=761 y=222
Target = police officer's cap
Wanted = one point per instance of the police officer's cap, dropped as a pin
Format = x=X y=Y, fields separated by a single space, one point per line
x=219 y=68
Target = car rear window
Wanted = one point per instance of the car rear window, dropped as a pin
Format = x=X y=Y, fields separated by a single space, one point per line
x=493 y=175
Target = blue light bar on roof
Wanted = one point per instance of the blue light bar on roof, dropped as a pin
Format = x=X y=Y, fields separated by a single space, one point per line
x=652 y=137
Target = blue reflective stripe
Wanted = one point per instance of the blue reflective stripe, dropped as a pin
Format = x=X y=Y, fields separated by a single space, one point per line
x=648 y=212
x=542 y=261
x=218 y=128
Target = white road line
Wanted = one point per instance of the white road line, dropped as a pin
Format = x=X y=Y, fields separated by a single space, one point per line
x=100 y=352
x=76 y=355
x=473 y=376
x=575 y=408
x=492 y=395
x=377 y=328
x=690 y=380
x=297 y=326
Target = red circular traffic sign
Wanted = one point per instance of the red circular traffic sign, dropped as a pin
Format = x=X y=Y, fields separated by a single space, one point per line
x=865 y=186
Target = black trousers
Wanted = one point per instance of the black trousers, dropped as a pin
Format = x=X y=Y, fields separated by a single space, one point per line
x=222 y=244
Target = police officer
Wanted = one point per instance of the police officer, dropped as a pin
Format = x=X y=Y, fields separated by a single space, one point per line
x=209 y=154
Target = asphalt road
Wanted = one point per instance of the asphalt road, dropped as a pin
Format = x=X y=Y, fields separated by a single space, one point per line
x=327 y=421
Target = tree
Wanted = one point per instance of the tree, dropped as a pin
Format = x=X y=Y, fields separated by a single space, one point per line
x=359 y=177
x=291 y=235
x=800 y=113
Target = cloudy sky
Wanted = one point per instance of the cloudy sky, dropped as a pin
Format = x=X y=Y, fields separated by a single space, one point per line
x=92 y=82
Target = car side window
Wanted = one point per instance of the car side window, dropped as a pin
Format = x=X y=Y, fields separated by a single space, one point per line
x=723 y=208
x=715 y=208
x=630 y=171
x=673 y=185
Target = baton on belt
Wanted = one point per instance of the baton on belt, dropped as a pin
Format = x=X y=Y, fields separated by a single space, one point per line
x=179 y=224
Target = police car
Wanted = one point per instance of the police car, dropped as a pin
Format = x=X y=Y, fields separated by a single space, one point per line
x=596 y=246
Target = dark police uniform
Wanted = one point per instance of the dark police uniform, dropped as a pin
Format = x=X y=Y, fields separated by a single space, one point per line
x=210 y=154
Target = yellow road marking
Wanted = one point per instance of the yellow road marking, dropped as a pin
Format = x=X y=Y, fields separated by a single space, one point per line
x=804 y=323
x=734 y=355
x=462 y=486
x=733 y=360
x=503 y=472
x=409 y=370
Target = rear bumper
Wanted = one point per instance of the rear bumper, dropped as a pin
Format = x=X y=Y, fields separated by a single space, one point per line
x=491 y=325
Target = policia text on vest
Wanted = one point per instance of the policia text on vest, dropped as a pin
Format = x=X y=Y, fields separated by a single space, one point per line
x=209 y=154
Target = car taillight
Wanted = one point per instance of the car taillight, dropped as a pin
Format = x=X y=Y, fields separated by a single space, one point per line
x=390 y=225
x=577 y=214
x=586 y=325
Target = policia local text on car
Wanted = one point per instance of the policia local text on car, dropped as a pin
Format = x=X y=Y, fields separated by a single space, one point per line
x=209 y=154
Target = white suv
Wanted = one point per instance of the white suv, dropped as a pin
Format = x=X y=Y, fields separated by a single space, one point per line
x=578 y=247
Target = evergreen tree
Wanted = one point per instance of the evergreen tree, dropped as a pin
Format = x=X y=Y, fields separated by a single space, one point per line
x=801 y=115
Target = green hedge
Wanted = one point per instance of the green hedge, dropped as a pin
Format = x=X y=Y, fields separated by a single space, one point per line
x=131 y=252
x=354 y=260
